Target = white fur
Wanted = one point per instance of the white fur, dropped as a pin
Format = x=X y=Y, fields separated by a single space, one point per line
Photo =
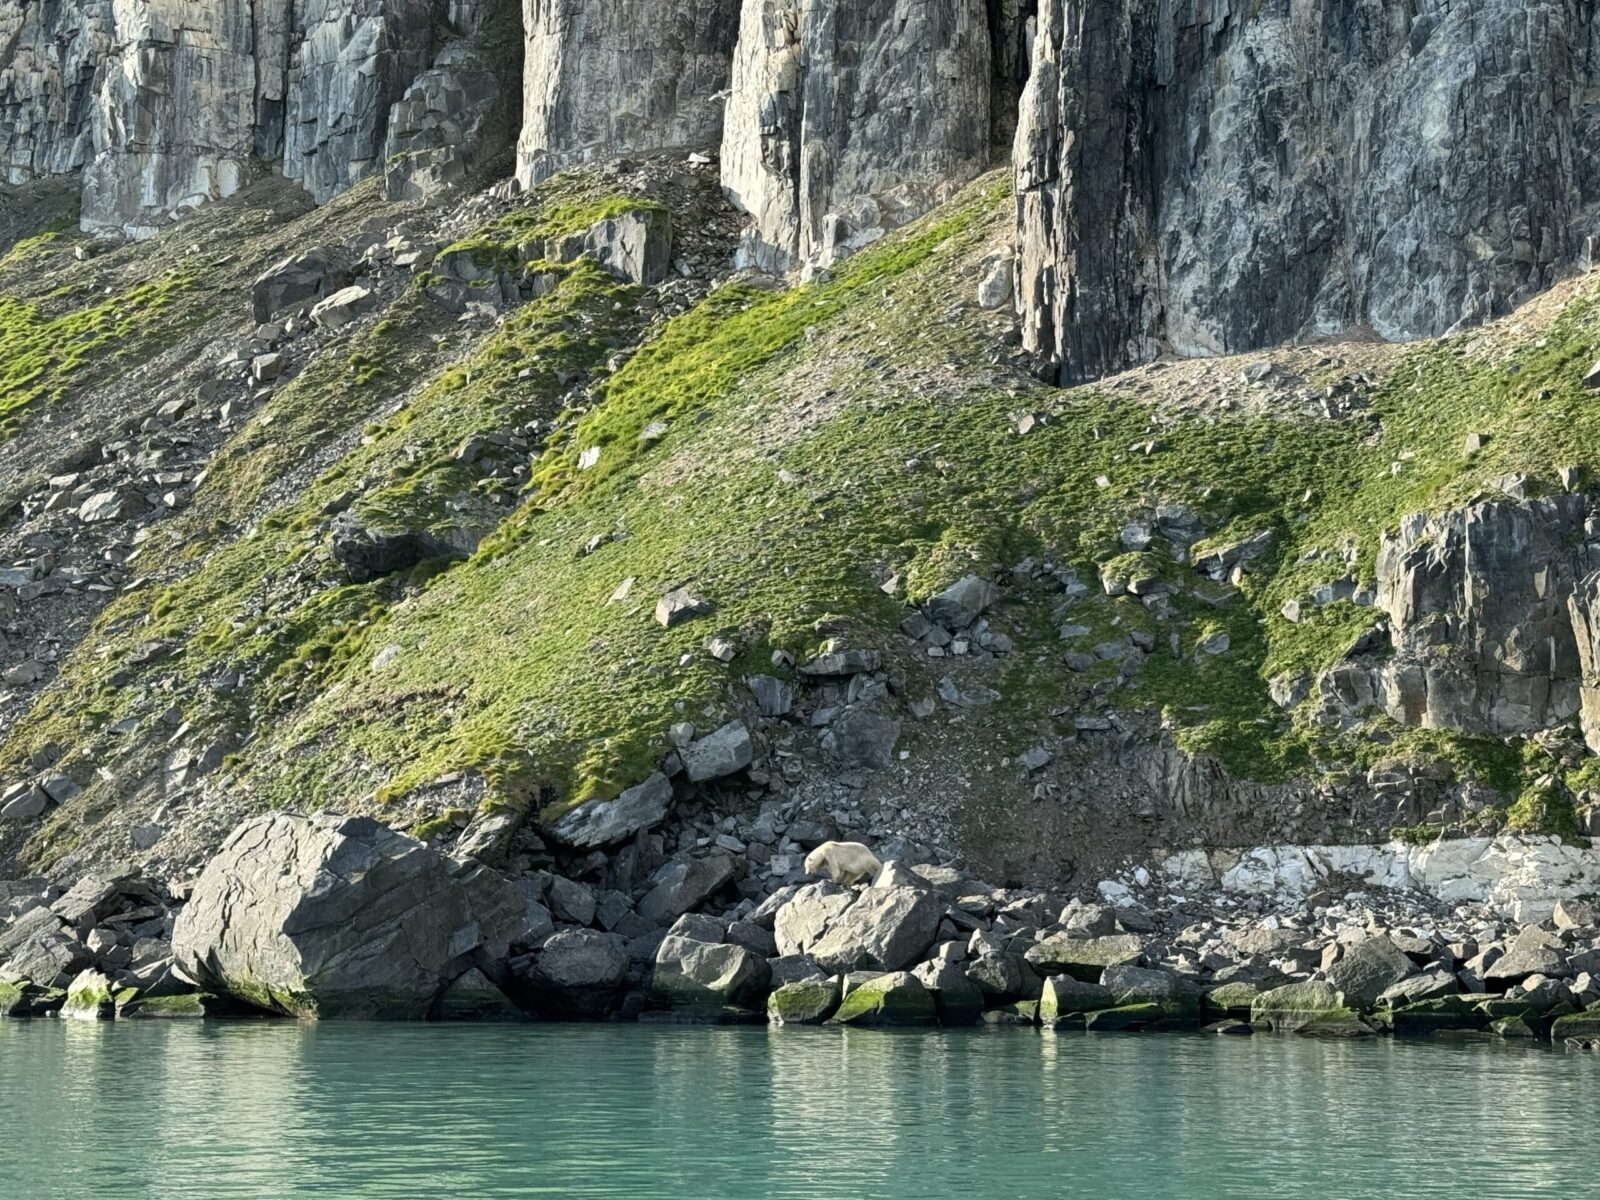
x=848 y=863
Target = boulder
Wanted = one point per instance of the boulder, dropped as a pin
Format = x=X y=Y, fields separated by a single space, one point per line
x=1584 y=1026
x=774 y=697
x=1575 y=914
x=721 y=753
x=38 y=947
x=1301 y=1008
x=184 y=1006
x=958 y=1000
x=1426 y=985
x=340 y=917
x=698 y=976
x=311 y=275
x=897 y=998
x=1126 y=1018
x=1231 y=1000
x=682 y=885
x=1532 y=952
x=996 y=972
x=30 y=1000
x=342 y=307
x=570 y=901
x=1437 y=1015
x=1065 y=997
x=862 y=739
x=698 y=927
x=634 y=246
x=679 y=606
x=606 y=822
x=962 y=603
x=1085 y=958
x=89 y=998
x=1367 y=969
x=1175 y=995
x=801 y=922
x=793 y=968
x=803 y=1002
x=885 y=929
x=577 y=973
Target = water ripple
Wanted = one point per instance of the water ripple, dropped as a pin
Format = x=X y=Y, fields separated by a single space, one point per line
x=281 y=1111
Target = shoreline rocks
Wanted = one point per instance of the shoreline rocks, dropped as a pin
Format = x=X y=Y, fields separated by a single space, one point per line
x=336 y=917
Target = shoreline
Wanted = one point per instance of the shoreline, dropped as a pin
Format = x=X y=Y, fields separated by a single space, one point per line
x=339 y=918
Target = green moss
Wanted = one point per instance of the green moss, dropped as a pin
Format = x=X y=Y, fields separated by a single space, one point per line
x=45 y=347
x=816 y=440
x=1543 y=808
x=427 y=830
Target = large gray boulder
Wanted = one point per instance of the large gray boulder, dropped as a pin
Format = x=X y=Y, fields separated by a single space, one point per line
x=40 y=948
x=721 y=752
x=576 y=973
x=886 y=929
x=1369 y=968
x=606 y=822
x=896 y=998
x=805 y=917
x=682 y=885
x=1085 y=958
x=634 y=246
x=341 y=917
x=299 y=280
x=695 y=976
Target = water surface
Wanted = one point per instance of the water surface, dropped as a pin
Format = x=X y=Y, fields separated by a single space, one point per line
x=278 y=1110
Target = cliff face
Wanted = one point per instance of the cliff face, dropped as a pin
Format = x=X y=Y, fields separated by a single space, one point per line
x=1220 y=177
x=620 y=77
x=166 y=105
x=1295 y=596
x=849 y=119
x=50 y=61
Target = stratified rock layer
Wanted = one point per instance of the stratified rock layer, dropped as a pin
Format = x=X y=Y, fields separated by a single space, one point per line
x=848 y=119
x=611 y=77
x=1223 y=177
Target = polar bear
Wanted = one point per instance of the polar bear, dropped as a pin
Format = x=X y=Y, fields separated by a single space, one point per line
x=848 y=863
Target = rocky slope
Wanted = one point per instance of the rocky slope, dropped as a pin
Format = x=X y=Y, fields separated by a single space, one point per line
x=692 y=484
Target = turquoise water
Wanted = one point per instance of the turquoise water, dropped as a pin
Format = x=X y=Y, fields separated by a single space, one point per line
x=275 y=1111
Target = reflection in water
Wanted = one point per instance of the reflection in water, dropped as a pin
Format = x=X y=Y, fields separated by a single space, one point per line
x=277 y=1111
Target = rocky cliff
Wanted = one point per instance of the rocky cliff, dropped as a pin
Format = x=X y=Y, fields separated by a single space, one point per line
x=1220 y=177
x=165 y=106
x=849 y=119
x=712 y=481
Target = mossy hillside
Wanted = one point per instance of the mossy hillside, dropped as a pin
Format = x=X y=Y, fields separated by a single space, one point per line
x=230 y=607
x=570 y=204
x=566 y=696
x=818 y=441
x=49 y=346
x=261 y=594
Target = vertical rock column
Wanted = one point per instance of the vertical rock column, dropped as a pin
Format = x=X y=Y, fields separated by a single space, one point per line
x=50 y=60
x=850 y=117
x=175 y=121
x=603 y=78
x=1087 y=270
x=1222 y=177
x=354 y=60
